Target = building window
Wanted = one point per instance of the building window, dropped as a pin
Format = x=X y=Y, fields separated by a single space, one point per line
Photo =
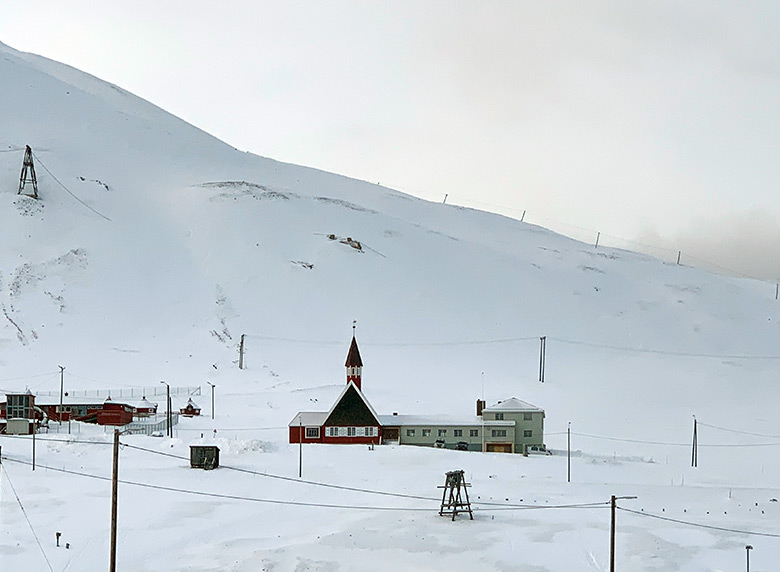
x=499 y=432
x=312 y=432
x=410 y=432
x=442 y=432
x=528 y=433
x=333 y=431
x=457 y=432
x=473 y=432
x=499 y=416
x=426 y=432
x=351 y=431
x=371 y=431
x=527 y=417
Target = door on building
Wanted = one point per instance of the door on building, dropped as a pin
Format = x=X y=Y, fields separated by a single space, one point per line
x=390 y=434
x=499 y=447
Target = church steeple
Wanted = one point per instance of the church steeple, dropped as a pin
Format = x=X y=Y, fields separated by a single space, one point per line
x=354 y=364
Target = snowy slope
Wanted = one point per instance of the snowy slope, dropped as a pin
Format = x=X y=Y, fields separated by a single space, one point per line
x=181 y=243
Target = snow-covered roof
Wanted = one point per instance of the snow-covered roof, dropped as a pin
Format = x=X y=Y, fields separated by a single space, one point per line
x=144 y=404
x=310 y=418
x=440 y=420
x=513 y=404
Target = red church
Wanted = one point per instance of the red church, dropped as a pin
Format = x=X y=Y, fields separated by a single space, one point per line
x=351 y=419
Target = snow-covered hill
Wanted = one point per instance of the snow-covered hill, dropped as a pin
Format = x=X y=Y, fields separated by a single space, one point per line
x=154 y=246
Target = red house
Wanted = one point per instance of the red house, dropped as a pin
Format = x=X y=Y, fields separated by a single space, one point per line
x=351 y=419
x=191 y=409
x=115 y=413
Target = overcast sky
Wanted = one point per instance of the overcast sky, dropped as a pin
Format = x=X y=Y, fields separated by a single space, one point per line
x=655 y=121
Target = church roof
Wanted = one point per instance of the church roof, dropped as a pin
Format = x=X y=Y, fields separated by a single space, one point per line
x=351 y=408
x=353 y=357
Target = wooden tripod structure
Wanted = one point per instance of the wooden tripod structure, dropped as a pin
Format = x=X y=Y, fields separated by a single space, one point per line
x=455 y=490
x=28 y=175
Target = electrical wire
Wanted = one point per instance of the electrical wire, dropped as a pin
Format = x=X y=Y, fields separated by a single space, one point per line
x=225 y=496
x=27 y=518
x=674 y=444
x=396 y=344
x=738 y=432
x=68 y=190
x=503 y=506
x=664 y=352
x=688 y=523
x=525 y=339
x=591 y=505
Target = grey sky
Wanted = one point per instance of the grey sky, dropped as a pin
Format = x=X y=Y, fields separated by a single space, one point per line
x=652 y=121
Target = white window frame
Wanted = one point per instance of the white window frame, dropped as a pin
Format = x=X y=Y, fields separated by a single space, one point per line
x=312 y=433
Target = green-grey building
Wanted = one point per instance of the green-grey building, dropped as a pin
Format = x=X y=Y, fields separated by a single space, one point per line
x=509 y=426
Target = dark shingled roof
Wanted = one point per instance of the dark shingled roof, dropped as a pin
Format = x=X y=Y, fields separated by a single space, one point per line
x=351 y=410
x=353 y=357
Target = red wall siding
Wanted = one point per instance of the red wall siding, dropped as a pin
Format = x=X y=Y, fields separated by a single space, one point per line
x=295 y=438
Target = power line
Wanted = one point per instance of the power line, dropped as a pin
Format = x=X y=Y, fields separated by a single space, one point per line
x=738 y=432
x=525 y=339
x=226 y=496
x=740 y=445
x=46 y=440
x=29 y=376
x=69 y=191
x=396 y=344
x=27 y=518
x=665 y=352
x=723 y=529
x=496 y=506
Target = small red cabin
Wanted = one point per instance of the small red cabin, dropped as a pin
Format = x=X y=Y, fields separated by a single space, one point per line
x=191 y=410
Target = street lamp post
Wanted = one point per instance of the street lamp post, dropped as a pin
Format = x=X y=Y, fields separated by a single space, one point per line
x=169 y=433
x=62 y=378
x=212 y=398
x=748 y=548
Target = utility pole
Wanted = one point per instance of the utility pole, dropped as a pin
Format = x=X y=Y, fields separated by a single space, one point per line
x=212 y=397
x=33 y=466
x=695 y=446
x=598 y=236
x=613 y=506
x=241 y=353
x=168 y=431
x=444 y=202
x=542 y=357
x=62 y=384
x=568 y=453
x=748 y=548
x=300 y=446
x=114 y=487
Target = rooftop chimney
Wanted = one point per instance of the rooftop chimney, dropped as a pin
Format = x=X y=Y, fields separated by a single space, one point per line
x=480 y=407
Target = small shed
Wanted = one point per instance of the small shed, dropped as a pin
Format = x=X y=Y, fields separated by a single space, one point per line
x=204 y=457
x=191 y=410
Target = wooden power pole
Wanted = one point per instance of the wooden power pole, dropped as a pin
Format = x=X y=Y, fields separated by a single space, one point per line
x=241 y=353
x=613 y=506
x=114 y=487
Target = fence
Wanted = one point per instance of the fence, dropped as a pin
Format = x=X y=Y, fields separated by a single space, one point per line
x=133 y=392
x=149 y=425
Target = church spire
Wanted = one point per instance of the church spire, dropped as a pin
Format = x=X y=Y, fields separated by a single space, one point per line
x=354 y=364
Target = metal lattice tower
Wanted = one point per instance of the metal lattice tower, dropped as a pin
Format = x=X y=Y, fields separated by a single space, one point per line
x=452 y=500
x=28 y=175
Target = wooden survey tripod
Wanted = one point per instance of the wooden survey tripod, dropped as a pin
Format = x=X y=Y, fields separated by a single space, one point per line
x=25 y=178
x=451 y=501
